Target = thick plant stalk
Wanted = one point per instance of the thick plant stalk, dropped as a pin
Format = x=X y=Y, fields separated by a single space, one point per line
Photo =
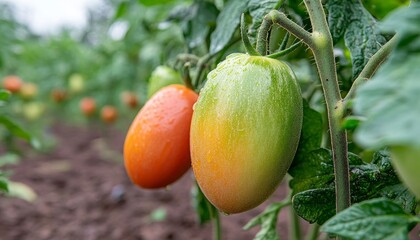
x=325 y=61
x=320 y=42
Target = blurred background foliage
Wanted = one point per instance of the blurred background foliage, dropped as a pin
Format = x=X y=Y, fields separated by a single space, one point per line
x=118 y=49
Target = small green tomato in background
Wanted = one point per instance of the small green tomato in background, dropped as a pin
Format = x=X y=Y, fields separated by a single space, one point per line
x=406 y=160
x=245 y=131
x=33 y=110
x=76 y=83
x=161 y=77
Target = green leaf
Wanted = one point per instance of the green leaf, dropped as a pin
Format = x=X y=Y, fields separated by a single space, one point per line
x=351 y=122
x=381 y=8
x=400 y=195
x=310 y=138
x=154 y=2
x=121 y=10
x=227 y=23
x=203 y=208
x=4 y=95
x=315 y=178
x=315 y=205
x=312 y=130
x=258 y=9
x=14 y=128
x=315 y=170
x=196 y=20
x=361 y=34
x=158 y=215
x=202 y=17
x=390 y=101
x=4 y=185
x=9 y=158
x=371 y=220
x=268 y=221
x=22 y=191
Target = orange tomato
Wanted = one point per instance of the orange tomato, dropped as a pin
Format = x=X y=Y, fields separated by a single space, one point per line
x=12 y=83
x=109 y=114
x=88 y=106
x=156 y=148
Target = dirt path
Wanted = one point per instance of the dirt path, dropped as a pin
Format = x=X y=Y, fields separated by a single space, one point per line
x=84 y=193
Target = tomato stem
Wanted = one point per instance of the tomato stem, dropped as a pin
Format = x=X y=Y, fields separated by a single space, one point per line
x=186 y=76
x=217 y=228
x=264 y=33
x=244 y=34
x=284 y=42
x=295 y=229
x=276 y=17
x=322 y=47
x=313 y=232
x=371 y=66
x=285 y=51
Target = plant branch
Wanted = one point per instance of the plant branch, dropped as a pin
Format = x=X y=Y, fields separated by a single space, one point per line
x=313 y=232
x=295 y=229
x=285 y=51
x=186 y=76
x=244 y=34
x=284 y=42
x=217 y=228
x=264 y=36
x=322 y=47
x=279 y=4
x=371 y=66
x=276 y=17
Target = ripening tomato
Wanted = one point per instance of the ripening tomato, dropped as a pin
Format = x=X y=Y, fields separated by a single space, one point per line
x=129 y=99
x=405 y=160
x=88 y=106
x=161 y=77
x=28 y=90
x=109 y=114
x=59 y=95
x=156 y=148
x=245 y=131
x=12 y=83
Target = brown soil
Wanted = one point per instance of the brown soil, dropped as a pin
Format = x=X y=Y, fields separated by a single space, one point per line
x=84 y=193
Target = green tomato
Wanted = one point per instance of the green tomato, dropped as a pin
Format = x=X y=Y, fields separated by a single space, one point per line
x=406 y=160
x=245 y=131
x=76 y=83
x=33 y=110
x=161 y=77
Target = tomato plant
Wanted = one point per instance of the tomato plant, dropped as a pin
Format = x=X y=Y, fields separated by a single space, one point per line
x=322 y=92
x=156 y=148
x=243 y=120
